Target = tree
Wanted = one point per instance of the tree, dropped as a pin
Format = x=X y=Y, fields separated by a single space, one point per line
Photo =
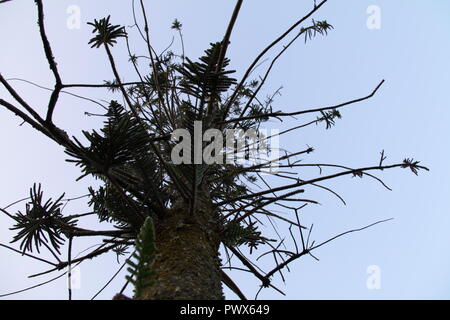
x=178 y=214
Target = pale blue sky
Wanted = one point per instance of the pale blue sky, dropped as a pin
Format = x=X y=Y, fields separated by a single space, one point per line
x=407 y=118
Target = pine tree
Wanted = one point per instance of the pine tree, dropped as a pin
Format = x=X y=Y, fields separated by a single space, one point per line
x=177 y=217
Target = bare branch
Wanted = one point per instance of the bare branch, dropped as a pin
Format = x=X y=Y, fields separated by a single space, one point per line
x=224 y=46
x=21 y=101
x=25 y=117
x=270 y=46
x=307 y=250
x=296 y=113
x=231 y=285
x=112 y=278
x=51 y=62
x=99 y=251
x=28 y=255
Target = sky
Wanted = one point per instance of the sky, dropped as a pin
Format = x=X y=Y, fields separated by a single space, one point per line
x=407 y=118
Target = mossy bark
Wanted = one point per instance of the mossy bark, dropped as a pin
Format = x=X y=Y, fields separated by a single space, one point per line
x=187 y=263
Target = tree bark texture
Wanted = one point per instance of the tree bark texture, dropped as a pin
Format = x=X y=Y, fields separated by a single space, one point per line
x=187 y=263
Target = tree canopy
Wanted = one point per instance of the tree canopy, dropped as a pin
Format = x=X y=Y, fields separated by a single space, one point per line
x=147 y=198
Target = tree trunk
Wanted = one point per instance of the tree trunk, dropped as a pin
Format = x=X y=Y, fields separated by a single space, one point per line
x=187 y=264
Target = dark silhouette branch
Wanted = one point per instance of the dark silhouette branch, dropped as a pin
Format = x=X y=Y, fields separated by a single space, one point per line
x=28 y=255
x=25 y=118
x=296 y=113
x=21 y=101
x=51 y=61
x=232 y=285
x=294 y=257
x=224 y=48
x=272 y=64
x=99 y=251
x=263 y=52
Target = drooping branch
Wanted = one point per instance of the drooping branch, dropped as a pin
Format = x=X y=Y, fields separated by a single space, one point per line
x=358 y=171
x=33 y=287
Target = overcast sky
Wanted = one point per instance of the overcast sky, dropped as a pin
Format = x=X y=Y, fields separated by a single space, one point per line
x=409 y=47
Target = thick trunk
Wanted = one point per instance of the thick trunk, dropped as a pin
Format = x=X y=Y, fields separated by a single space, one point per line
x=187 y=264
